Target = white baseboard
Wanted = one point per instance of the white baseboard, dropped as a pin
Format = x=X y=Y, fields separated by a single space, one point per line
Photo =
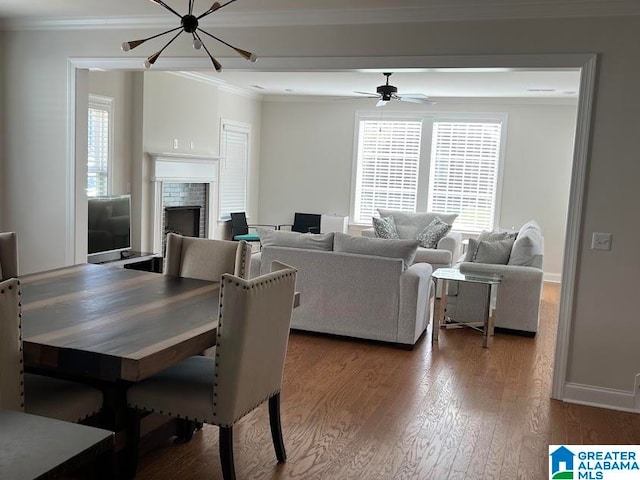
x=552 y=277
x=600 y=397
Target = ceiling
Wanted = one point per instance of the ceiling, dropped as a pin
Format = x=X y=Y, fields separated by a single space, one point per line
x=327 y=11
x=558 y=84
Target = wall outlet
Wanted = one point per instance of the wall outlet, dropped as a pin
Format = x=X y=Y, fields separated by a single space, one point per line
x=175 y=143
x=601 y=241
x=636 y=394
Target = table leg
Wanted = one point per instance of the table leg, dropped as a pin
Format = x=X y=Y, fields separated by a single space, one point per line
x=488 y=320
x=438 y=310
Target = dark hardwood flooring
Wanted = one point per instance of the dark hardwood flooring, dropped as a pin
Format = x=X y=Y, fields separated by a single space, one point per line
x=356 y=410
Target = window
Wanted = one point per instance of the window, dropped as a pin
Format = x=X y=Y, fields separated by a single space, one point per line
x=447 y=163
x=234 y=147
x=388 y=160
x=99 y=145
x=464 y=171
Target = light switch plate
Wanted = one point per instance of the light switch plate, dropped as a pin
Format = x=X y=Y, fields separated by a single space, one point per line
x=601 y=241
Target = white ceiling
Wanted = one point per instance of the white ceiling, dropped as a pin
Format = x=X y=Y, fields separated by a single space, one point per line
x=442 y=83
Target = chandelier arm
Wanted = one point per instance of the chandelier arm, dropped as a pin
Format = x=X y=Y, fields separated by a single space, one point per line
x=157 y=35
x=159 y=52
x=215 y=9
x=216 y=64
x=162 y=4
x=245 y=54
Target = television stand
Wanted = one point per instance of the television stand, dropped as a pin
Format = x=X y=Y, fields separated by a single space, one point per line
x=148 y=262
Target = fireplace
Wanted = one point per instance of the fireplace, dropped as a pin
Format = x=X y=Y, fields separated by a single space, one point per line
x=183 y=197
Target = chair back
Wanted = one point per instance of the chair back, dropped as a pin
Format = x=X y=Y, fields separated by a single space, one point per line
x=253 y=333
x=8 y=255
x=306 y=223
x=239 y=224
x=11 y=368
x=205 y=258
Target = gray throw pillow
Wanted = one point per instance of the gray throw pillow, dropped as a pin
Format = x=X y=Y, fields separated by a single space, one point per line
x=309 y=241
x=431 y=235
x=497 y=252
x=472 y=249
x=385 y=227
x=381 y=247
x=485 y=236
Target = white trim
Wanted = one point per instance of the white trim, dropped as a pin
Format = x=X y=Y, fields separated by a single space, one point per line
x=218 y=82
x=565 y=100
x=552 y=277
x=70 y=207
x=574 y=221
x=462 y=11
x=599 y=397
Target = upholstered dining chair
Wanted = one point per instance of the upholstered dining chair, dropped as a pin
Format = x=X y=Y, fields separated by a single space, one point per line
x=35 y=394
x=8 y=255
x=205 y=258
x=253 y=333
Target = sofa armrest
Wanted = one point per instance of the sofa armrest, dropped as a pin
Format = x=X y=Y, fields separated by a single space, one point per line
x=415 y=300
x=369 y=232
x=514 y=272
x=254 y=266
x=452 y=241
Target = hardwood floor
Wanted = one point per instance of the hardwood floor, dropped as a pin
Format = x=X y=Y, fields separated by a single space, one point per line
x=356 y=410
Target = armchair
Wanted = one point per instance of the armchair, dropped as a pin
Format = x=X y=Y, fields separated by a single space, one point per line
x=304 y=223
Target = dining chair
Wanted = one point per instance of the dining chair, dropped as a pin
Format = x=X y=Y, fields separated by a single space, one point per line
x=8 y=255
x=205 y=258
x=253 y=331
x=304 y=223
x=35 y=394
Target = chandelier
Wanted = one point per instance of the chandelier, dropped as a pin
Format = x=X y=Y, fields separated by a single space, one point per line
x=189 y=24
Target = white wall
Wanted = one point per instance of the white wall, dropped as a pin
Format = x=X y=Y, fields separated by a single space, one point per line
x=119 y=86
x=310 y=145
x=603 y=353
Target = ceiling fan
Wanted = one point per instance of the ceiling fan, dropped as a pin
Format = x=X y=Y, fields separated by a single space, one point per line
x=386 y=93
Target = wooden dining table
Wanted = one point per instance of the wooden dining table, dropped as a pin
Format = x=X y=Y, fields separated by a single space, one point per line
x=109 y=327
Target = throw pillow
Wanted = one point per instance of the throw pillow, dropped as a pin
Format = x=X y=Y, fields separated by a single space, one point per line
x=309 y=241
x=485 y=236
x=497 y=252
x=385 y=227
x=472 y=249
x=431 y=235
x=410 y=224
x=403 y=249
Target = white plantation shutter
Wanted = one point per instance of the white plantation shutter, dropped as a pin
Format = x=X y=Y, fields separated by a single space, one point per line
x=464 y=172
x=387 y=168
x=99 y=145
x=233 y=169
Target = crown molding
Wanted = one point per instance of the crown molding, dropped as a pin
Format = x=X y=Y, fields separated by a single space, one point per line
x=221 y=84
x=571 y=101
x=465 y=10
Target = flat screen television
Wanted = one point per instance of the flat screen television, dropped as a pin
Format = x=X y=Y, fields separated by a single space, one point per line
x=109 y=224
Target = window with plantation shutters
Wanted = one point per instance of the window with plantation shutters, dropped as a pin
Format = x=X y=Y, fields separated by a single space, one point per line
x=388 y=161
x=234 y=146
x=99 y=145
x=464 y=172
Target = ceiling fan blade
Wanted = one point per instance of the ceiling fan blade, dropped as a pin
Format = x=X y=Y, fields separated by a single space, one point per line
x=382 y=103
x=371 y=94
x=422 y=100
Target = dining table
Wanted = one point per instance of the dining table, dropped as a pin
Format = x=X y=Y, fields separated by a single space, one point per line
x=109 y=327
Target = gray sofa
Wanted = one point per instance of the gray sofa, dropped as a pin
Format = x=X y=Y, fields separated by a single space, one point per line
x=409 y=225
x=351 y=294
x=517 y=303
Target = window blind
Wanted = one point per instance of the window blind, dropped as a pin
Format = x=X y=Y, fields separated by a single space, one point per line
x=233 y=171
x=387 y=164
x=464 y=172
x=98 y=153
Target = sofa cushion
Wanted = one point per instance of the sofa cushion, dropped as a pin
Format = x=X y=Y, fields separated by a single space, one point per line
x=487 y=236
x=528 y=247
x=410 y=224
x=385 y=227
x=496 y=252
x=309 y=241
x=431 y=235
x=381 y=247
x=433 y=256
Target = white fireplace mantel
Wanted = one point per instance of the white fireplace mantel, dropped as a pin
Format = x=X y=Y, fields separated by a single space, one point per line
x=181 y=168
